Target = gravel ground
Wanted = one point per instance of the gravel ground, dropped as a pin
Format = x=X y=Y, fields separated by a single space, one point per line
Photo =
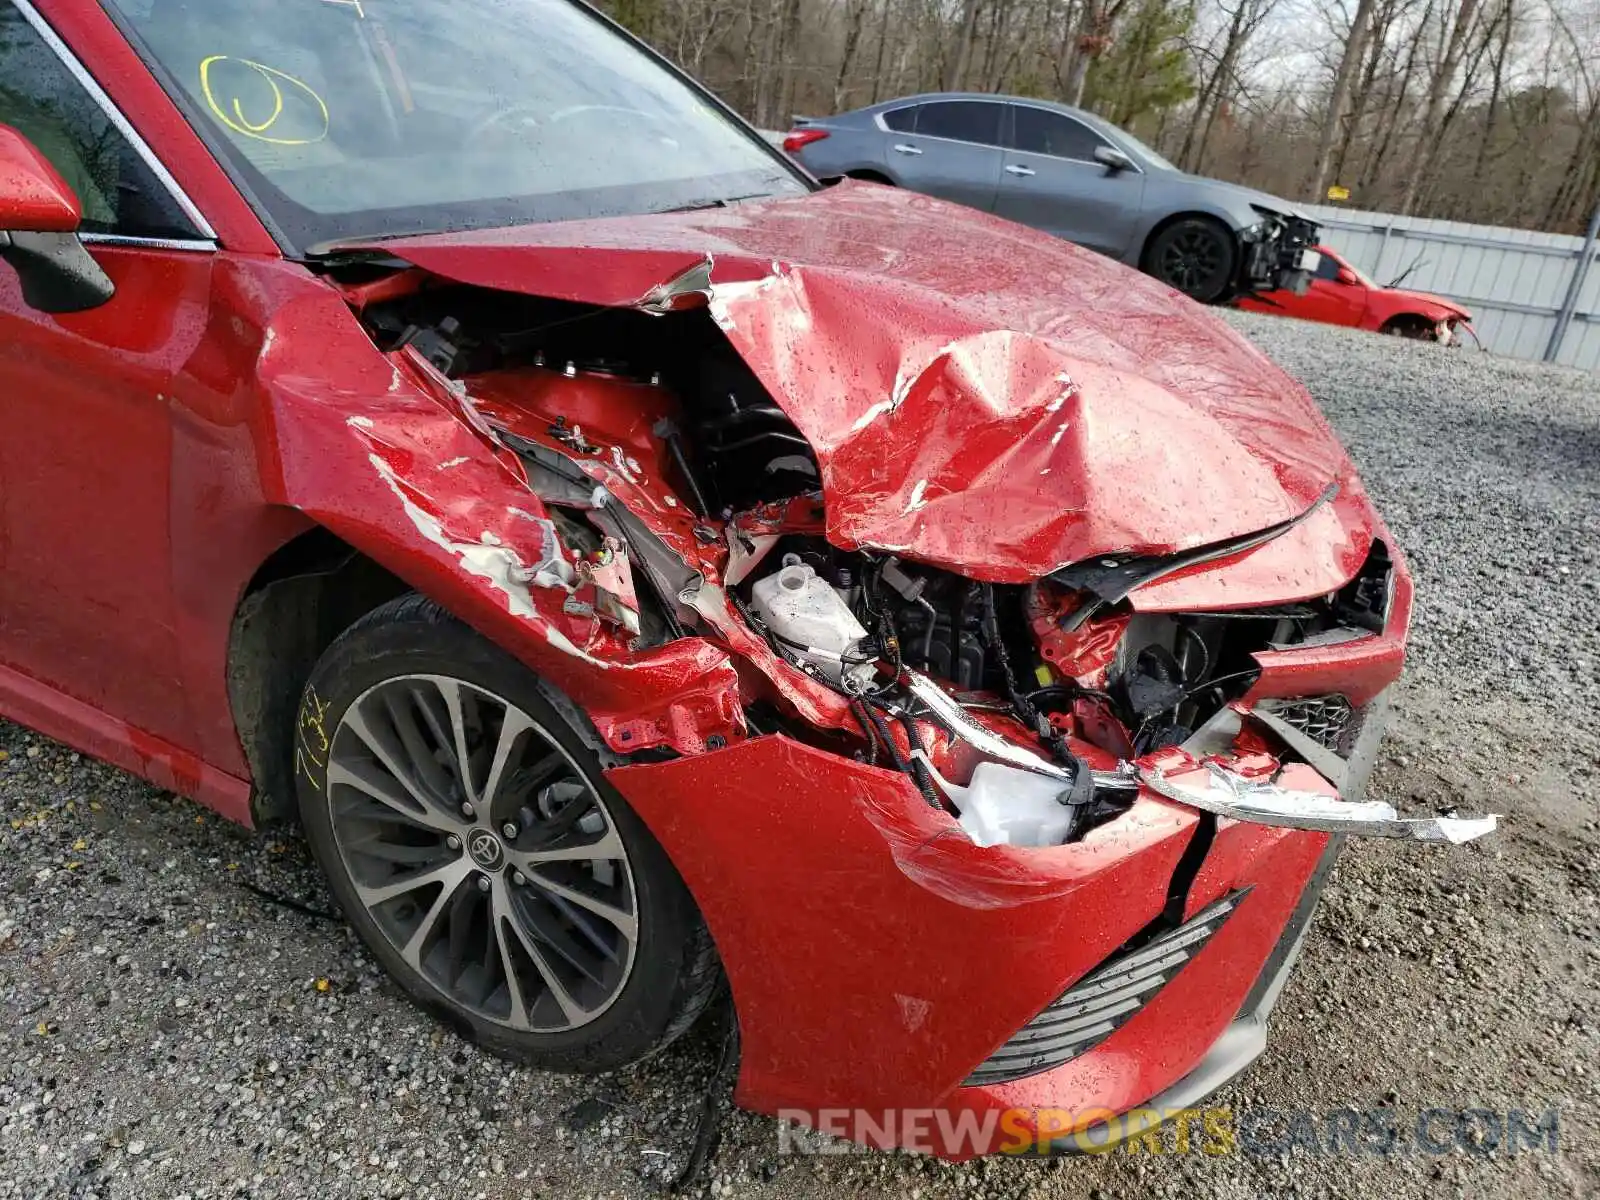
x=168 y=1030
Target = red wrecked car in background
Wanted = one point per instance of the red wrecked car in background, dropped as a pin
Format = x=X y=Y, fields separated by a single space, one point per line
x=1341 y=295
x=638 y=569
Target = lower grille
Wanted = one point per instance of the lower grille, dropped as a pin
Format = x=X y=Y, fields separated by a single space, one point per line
x=1104 y=1000
x=1330 y=721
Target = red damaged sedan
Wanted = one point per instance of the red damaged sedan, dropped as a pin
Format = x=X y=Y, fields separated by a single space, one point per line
x=642 y=573
x=1338 y=294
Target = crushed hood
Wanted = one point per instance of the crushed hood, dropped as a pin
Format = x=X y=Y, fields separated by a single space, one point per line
x=980 y=396
x=1427 y=301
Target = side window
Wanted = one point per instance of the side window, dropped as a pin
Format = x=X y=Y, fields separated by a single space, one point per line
x=1326 y=269
x=41 y=99
x=1039 y=131
x=901 y=120
x=962 y=120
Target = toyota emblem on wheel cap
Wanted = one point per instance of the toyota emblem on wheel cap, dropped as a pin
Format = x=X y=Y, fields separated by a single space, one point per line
x=484 y=848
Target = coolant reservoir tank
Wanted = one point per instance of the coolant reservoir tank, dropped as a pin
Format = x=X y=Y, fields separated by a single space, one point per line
x=811 y=618
x=1005 y=806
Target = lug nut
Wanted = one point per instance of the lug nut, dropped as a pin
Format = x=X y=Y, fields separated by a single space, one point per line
x=510 y=829
x=518 y=878
x=453 y=842
x=483 y=883
x=467 y=810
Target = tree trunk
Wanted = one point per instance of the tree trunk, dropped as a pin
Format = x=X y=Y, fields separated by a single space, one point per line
x=788 y=56
x=1361 y=90
x=1496 y=88
x=1078 y=69
x=1428 y=131
x=857 y=17
x=883 y=48
x=957 y=70
x=1354 y=46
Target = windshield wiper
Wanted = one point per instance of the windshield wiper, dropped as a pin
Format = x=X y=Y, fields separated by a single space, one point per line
x=333 y=255
x=720 y=202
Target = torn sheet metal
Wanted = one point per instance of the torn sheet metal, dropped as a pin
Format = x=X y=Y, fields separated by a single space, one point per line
x=745 y=552
x=1030 y=405
x=408 y=477
x=607 y=441
x=604 y=429
x=612 y=576
x=1297 y=798
x=815 y=702
x=689 y=290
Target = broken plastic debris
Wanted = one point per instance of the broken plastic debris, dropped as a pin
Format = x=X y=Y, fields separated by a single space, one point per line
x=949 y=713
x=1212 y=787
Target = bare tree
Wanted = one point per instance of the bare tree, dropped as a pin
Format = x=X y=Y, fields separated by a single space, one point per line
x=1339 y=97
x=1484 y=110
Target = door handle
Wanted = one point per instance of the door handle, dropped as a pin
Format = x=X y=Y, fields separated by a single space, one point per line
x=902 y=148
x=1015 y=169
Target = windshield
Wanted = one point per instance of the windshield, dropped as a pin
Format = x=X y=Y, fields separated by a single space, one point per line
x=1154 y=159
x=352 y=119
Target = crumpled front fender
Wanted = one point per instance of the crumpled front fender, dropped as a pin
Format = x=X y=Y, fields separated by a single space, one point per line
x=371 y=448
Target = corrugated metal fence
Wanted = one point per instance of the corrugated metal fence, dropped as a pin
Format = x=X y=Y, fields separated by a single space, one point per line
x=1515 y=281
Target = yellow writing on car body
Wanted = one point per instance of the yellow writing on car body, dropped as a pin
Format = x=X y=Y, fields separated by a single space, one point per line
x=258 y=129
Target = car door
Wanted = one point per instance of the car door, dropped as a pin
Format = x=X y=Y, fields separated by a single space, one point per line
x=946 y=148
x=88 y=410
x=1049 y=179
x=1330 y=297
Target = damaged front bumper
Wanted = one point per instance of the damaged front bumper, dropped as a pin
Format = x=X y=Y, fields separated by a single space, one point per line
x=1242 y=1041
x=947 y=949
x=919 y=924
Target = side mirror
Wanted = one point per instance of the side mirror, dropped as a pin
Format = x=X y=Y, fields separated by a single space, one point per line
x=1347 y=276
x=33 y=197
x=1112 y=159
x=39 y=218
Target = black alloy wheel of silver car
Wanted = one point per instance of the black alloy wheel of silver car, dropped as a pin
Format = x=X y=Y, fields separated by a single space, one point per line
x=1196 y=255
x=471 y=839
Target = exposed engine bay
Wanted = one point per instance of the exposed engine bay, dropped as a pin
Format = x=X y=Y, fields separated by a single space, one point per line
x=684 y=502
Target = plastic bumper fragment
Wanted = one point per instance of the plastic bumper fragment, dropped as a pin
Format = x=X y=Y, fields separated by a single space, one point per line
x=1215 y=788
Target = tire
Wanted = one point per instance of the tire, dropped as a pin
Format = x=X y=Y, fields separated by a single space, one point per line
x=559 y=960
x=1196 y=255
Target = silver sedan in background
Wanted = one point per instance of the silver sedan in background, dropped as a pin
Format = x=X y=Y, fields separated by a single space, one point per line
x=1069 y=173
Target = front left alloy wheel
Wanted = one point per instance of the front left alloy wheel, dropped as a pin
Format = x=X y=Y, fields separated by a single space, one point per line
x=471 y=839
x=1197 y=255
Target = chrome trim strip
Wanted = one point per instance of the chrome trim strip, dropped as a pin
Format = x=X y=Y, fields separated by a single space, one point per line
x=1212 y=787
x=199 y=245
x=140 y=146
x=949 y=713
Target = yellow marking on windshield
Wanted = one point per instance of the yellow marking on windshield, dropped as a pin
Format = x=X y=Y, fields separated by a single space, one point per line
x=239 y=123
